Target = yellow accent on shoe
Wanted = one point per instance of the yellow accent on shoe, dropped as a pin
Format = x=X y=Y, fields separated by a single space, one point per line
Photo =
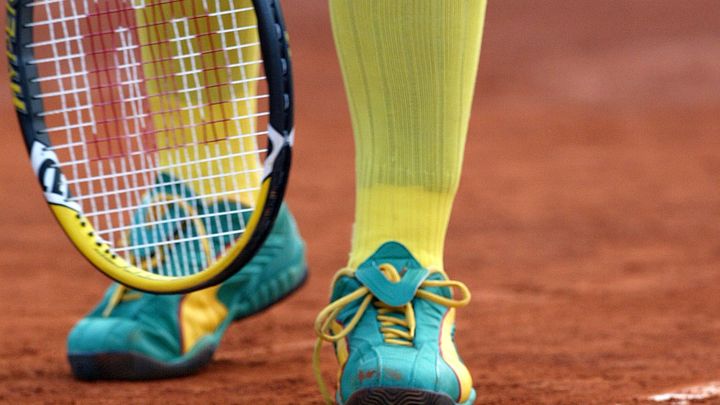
x=450 y=355
x=132 y=335
x=201 y=312
x=121 y=294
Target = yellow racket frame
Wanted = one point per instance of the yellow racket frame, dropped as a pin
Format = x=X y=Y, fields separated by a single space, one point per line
x=100 y=254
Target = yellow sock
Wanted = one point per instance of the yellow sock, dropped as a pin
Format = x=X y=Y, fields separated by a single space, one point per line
x=409 y=69
x=200 y=118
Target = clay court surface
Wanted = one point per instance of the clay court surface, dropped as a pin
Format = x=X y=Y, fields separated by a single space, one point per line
x=587 y=223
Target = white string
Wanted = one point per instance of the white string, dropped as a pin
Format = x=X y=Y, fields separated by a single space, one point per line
x=159 y=168
x=177 y=241
x=181 y=59
x=168 y=202
x=237 y=124
x=98 y=129
x=164 y=268
x=86 y=107
x=84 y=73
x=129 y=67
x=173 y=220
x=189 y=55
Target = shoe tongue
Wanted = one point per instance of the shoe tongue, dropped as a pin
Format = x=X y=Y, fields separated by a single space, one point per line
x=392 y=293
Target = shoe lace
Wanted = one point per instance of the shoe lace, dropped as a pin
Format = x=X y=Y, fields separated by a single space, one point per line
x=397 y=324
x=157 y=257
x=121 y=294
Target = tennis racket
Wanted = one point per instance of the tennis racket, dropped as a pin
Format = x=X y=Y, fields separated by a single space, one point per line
x=160 y=130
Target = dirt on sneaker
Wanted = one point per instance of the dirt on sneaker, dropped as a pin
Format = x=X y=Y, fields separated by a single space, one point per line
x=587 y=223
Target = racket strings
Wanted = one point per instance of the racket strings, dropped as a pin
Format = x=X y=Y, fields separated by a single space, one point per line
x=146 y=98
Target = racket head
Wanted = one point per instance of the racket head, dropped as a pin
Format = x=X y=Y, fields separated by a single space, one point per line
x=134 y=113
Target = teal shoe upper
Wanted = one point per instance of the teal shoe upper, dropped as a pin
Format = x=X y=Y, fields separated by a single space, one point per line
x=127 y=321
x=397 y=342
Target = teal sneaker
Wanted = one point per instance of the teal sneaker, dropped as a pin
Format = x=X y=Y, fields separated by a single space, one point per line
x=135 y=336
x=393 y=323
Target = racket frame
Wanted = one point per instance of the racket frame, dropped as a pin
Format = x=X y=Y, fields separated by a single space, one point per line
x=278 y=71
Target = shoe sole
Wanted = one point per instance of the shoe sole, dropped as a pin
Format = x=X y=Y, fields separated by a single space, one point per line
x=130 y=366
x=133 y=366
x=398 y=396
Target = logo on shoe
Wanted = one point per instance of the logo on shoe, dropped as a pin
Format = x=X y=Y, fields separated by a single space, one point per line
x=368 y=374
x=394 y=375
x=364 y=375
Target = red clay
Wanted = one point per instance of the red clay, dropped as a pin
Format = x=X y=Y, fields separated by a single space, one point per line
x=587 y=224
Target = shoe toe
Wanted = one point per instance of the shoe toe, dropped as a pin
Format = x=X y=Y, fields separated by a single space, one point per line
x=399 y=367
x=117 y=335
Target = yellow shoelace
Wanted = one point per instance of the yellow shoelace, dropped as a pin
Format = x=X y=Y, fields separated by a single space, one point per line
x=397 y=324
x=158 y=256
x=121 y=294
